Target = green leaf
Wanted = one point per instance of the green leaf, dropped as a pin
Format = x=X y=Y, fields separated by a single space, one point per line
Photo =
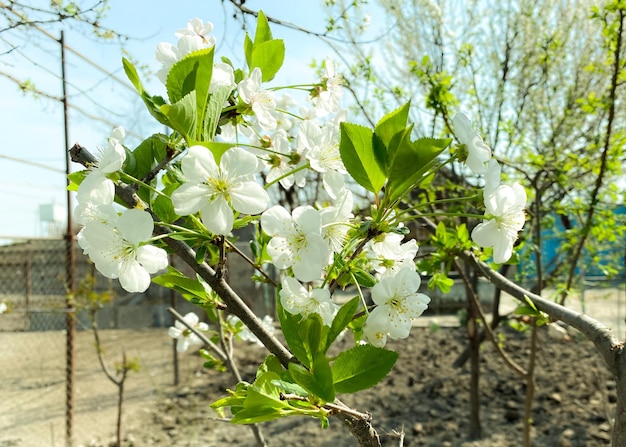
x=364 y=278
x=214 y=111
x=314 y=333
x=247 y=50
x=269 y=57
x=188 y=73
x=162 y=205
x=192 y=73
x=411 y=161
x=153 y=103
x=290 y=325
x=357 y=152
x=362 y=367
x=342 y=320
x=182 y=116
x=392 y=124
x=149 y=152
x=263 y=33
x=271 y=363
x=319 y=382
x=76 y=178
x=177 y=281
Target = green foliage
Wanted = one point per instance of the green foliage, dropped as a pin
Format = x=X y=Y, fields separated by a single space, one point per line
x=361 y=367
x=386 y=156
x=153 y=103
x=265 y=52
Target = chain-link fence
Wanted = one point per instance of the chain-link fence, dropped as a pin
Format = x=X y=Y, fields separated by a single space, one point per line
x=34 y=407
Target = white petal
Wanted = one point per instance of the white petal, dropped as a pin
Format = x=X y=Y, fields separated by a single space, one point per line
x=97 y=189
x=199 y=164
x=276 y=221
x=238 y=162
x=135 y=226
x=217 y=216
x=134 y=278
x=152 y=258
x=485 y=234
x=307 y=219
x=188 y=198
x=334 y=184
x=249 y=198
x=279 y=251
x=174 y=332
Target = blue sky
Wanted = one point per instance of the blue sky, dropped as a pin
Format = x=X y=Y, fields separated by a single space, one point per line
x=32 y=128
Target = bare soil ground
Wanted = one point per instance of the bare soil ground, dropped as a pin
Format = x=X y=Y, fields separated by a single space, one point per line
x=425 y=398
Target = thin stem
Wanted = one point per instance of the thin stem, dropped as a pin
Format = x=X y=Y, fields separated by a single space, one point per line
x=293 y=171
x=234 y=248
x=487 y=327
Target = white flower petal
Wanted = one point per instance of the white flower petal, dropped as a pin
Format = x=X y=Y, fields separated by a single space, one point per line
x=135 y=226
x=199 y=164
x=189 y=198
x=276 y=221
x=134 y=278
x=217 y=216
x=152 y=258
x=249 y=198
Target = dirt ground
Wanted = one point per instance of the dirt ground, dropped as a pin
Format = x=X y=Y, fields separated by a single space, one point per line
x=424 y=398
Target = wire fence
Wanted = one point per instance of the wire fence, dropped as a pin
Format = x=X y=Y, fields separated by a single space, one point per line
x=33 y=357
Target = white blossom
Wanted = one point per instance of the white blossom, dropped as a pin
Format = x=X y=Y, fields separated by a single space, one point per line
x=297 y=299
x=327 y=96
x=183 y=335
x=478 y=153
x=322 y=150
x=122 y=251
x=261 y=101
x=504 y=219
x=336 y=221
x=215 y=190
x=246 y=334
x=297 y=241
x=398 y=303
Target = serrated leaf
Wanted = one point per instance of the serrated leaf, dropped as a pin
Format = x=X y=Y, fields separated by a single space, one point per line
x=177 y=281
x=290 y=325
x=392 y=124
x=342 y=320
x=188 y=73
x=410 y=161
x=247 y=50
x=263 y=33
x=182 y=116
x=357 y=152
x=269 y=57
x=318 y=382
x=214 y=108
x=153 y=103
x=146 y=155
x=192 y=74
x=361 y=367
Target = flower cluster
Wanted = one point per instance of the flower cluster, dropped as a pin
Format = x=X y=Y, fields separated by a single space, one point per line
x=504 y=204
x=244 y=144
x=117 y=243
